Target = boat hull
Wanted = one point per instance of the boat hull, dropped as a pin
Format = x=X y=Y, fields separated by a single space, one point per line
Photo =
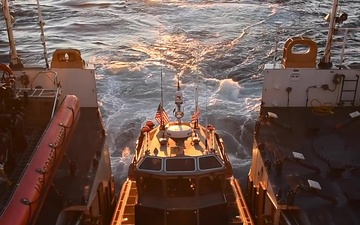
x=233 y=211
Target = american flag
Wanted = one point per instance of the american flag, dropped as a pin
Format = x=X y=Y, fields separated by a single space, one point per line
x=196 y=115
x=161 y=114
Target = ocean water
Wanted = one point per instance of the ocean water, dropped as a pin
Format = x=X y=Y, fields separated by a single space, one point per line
x=222 y=44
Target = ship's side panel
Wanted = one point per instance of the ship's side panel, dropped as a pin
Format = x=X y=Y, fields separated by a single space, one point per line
x=302 y=87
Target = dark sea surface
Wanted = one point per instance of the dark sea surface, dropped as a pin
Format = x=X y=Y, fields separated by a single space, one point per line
x=223 y=44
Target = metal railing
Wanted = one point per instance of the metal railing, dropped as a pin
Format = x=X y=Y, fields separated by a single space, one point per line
x=55 y=82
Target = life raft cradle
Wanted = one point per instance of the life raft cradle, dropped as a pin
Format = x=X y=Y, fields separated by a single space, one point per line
x=292 y=59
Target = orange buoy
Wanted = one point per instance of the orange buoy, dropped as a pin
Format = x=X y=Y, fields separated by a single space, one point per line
x=150 y=124
x=145 y=129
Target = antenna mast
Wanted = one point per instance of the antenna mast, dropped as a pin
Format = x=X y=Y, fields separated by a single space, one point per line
x=195 y=117
x=325 y=60
x=42 y=35
x=178 y=101
x=15 y=62
x=197 y=92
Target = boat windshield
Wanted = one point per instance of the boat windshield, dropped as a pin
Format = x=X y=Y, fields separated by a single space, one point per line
x=180 y=187
x=150 y=186
x=210 y=184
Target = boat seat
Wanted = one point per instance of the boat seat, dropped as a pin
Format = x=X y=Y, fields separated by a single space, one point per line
x=293 y=59
x=67 y=58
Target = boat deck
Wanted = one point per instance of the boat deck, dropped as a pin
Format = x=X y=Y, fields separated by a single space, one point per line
x=78 y=167
x=312 y=159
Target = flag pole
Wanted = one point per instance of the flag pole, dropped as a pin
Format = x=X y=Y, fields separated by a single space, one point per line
x=196 y=101
x=162 y=125
x=162 y=99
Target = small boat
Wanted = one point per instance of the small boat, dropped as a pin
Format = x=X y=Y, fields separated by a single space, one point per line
x=305 y=161
x=180 y=174
x=54 y=160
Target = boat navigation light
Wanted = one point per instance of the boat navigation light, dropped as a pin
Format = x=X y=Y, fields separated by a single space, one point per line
x=178 y=101
x=66 y=57
x=178 y=97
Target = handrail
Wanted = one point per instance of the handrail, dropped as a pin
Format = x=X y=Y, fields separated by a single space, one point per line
x=240 y=201
x=343 y=46
x=57 y=86
x=54 y=81
x=318 y=29
x=120 y=207
x=58 y=90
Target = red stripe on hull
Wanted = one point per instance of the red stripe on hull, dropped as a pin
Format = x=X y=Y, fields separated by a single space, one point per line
x=32 y=189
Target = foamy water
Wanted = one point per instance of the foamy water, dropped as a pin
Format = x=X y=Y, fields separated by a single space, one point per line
x=223 y=44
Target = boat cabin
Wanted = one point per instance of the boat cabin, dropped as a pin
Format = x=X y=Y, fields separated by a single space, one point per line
x=181 y=174
x=181 y=188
